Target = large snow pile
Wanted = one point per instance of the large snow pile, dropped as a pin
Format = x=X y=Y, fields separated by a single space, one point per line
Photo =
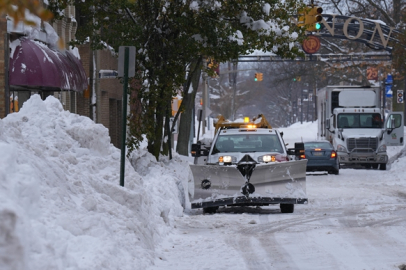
x=61 y=205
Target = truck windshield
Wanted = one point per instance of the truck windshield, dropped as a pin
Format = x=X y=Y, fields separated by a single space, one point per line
x=248 y=143
x=359 y=120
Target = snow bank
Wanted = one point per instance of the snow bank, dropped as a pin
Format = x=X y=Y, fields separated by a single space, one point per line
x=61 y=205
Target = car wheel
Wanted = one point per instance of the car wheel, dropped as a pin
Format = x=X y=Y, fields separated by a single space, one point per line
x=287 y=208
x=375 y=166
x=210 y=210
x=336 y=172
x=382 y=166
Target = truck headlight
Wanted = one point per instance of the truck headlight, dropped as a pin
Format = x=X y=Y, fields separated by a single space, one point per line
x=266 y=158
x=382 y=148
x=227 y=160
x=341 y=148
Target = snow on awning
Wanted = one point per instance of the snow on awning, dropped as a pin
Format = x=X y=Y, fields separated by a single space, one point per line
x=34 y=65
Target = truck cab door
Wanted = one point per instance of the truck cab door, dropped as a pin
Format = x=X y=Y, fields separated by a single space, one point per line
x=394 y=130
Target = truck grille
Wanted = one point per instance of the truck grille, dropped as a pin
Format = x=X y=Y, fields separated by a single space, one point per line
x=362 y=145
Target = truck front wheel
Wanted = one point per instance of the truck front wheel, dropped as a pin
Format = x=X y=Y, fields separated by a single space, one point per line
x=210 y=210
x=287 y=208
x=382 y=166
x=375 y=166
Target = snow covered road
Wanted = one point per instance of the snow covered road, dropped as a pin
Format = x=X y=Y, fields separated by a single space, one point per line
x=355 y=220
x=62 y=208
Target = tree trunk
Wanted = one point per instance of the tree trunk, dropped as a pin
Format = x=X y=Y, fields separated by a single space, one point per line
x=167 y=141
x=154 y=147
x=188 y=102
x=397 y=10
x=155 y=116
x=135 y=121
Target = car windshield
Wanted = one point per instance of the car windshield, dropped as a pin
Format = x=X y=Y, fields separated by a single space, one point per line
x=314 y=145
x=248 y=143
x=359 y=120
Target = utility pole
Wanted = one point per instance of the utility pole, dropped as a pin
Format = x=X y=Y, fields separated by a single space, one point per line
x=308 y=105
x=301 y=106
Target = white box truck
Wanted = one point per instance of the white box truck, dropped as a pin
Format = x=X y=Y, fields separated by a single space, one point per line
x=352 y=119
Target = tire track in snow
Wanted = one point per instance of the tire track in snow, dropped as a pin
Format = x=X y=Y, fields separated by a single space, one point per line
x=247 y=251
x=282 y=225
x=298 y=251
x=366 y=237
x=273 y=254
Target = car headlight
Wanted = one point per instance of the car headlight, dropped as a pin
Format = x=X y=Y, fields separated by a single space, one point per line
x=266 y=158
x=227 y=160
x=382 y=148
x=341 y=148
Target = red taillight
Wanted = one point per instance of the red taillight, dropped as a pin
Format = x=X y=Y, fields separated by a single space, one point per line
x=302 y=156
x=333 y=154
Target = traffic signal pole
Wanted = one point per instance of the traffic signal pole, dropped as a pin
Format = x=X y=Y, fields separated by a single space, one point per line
x=205 y=94
x=234 y=85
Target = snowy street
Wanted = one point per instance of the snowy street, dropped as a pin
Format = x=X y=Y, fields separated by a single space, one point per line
x=61 y=207
x=119 y=119
x=355 y=220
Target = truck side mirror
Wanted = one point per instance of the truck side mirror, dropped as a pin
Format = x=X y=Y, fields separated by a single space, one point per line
x=197 y=150
x=298 y=150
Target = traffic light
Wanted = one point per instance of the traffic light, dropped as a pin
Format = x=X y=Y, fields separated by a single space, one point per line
x=260 y=76
x=210 y=63
x=302 y=14
x=313 y=19
x=310 y=18
x=214 y=66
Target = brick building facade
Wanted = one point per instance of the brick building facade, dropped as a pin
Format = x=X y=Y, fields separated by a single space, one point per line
x=100 y=101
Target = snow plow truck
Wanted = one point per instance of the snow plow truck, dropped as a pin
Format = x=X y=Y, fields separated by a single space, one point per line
x=247 y=164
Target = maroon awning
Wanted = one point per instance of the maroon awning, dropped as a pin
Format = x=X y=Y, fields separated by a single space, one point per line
x=34 y=65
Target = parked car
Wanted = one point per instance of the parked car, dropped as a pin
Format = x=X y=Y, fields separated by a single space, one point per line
x=321 y=156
